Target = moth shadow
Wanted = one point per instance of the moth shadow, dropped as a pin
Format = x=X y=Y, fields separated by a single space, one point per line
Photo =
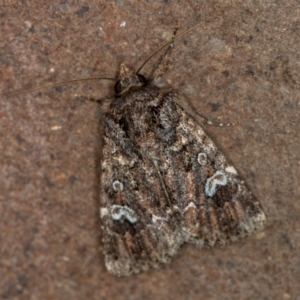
x=97 y=169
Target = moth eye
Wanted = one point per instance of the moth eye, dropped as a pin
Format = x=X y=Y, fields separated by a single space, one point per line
x=142 y=79
x=118 y=87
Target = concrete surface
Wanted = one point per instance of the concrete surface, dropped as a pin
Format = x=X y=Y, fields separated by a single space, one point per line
x=242 y=65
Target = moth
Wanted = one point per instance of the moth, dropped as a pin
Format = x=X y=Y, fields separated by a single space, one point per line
x=163 y=180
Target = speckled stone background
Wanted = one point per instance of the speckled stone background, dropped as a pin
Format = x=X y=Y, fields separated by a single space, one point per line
x=241 y=65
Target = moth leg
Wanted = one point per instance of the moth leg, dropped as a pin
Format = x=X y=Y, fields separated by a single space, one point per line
x=87 y=98
x=104 y=102
x=197 y=117
x=213 y=123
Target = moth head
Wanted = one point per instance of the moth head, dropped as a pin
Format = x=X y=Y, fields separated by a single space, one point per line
x=128 y=81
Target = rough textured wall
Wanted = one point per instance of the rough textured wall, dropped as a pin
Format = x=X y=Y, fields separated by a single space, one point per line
x=240 y=66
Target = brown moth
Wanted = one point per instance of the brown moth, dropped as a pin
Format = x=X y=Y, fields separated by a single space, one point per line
x=164 y=182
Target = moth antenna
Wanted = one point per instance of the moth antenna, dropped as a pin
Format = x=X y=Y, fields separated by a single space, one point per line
x=168 y=43
x=59 y=83
x=104 y=78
